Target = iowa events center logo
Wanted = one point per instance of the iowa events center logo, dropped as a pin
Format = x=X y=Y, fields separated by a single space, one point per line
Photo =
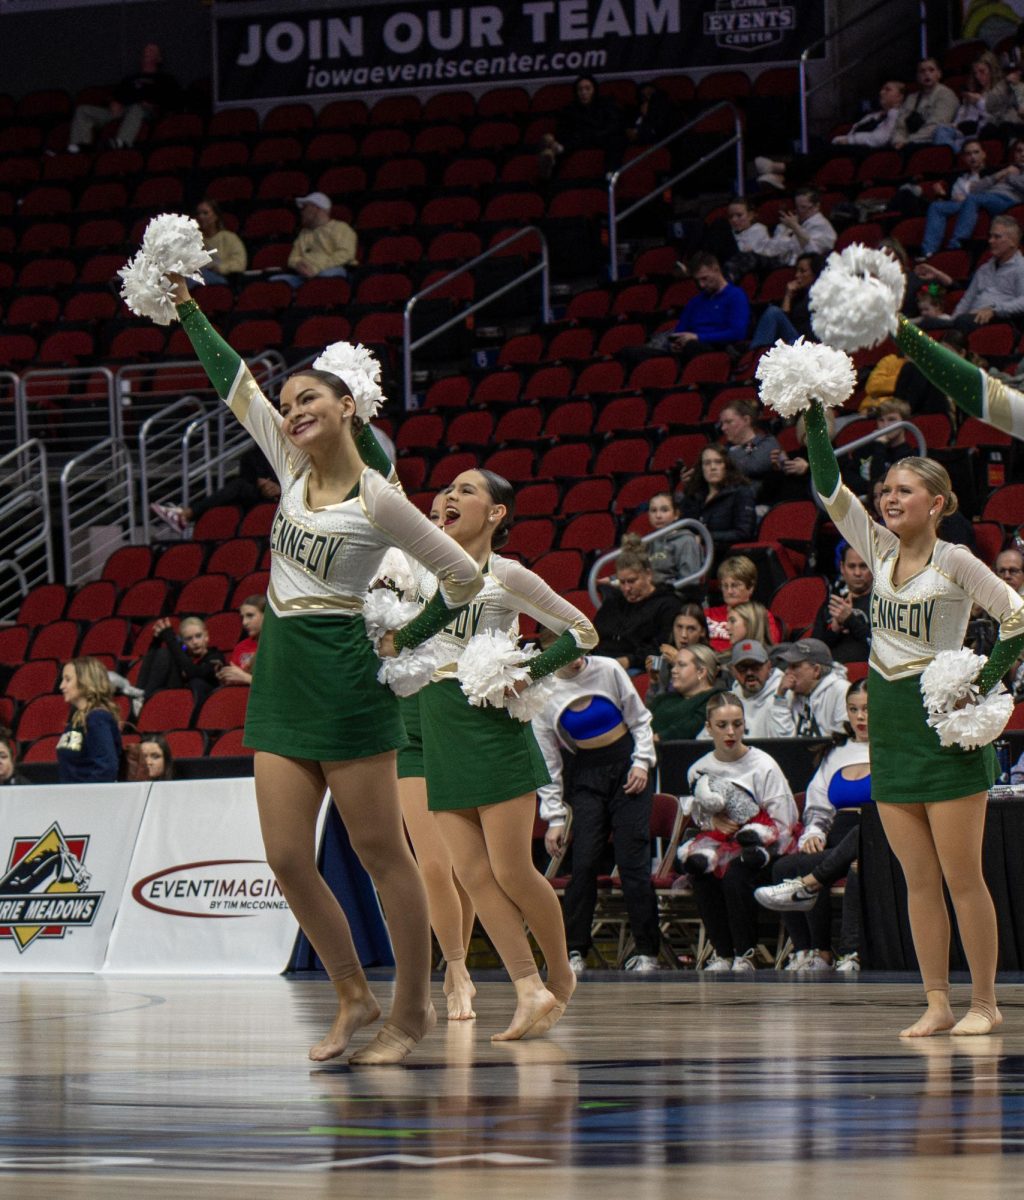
x=44 y=891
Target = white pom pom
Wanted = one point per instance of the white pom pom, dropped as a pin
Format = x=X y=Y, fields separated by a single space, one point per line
x=171 y=244
x=147 y=291
x=532 y=701
x=411 y=670
x=383 y=611
x=790 y=377
x=856 y=299
x=949 y=680
x=358 y=368
x=490 y=667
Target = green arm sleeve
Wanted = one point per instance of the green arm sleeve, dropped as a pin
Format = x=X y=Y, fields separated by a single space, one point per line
x=824 y=468
x=954 y=376
x=220 y=362
x=1002 y=658
x=434 y=617
x=371 y=451
x=559 y=654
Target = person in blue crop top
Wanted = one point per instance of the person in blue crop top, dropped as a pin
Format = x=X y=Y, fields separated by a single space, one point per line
x=89 y=750
x=596 y=717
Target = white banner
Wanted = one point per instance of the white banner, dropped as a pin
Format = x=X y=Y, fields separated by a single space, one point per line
x=64 y=853
x=200 y=898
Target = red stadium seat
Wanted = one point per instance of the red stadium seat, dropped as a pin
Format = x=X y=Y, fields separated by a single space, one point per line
x=143 y=600
x=223 y=709
x=217 y=524
x=229 y=744
x=42 y=716
x=203 y=595
x=13 y=645
x=169 y=709
x=43 y=604
x=33 y=679
x=107 y=637
x=180 y=562
x=55 y=641
x=257 y=521
x=797 y=601
x=254 y=584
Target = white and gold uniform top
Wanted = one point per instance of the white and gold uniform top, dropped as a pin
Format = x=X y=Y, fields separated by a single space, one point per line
x=324 y=559
x=913 y=621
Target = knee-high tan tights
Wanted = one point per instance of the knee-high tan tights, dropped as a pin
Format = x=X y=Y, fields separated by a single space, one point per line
x=451 y=910
x=936 y=842
x=289 y=793
x=490 y=847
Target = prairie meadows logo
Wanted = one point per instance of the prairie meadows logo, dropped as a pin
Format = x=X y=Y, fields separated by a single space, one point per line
x=44 y=891
x=749 y=24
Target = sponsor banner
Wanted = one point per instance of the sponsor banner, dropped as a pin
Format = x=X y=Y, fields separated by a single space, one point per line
x=275 y=52
x=64 y=854
x=200 y=898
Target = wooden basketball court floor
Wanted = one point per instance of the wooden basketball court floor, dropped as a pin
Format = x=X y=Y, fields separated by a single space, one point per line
x=674 y=1085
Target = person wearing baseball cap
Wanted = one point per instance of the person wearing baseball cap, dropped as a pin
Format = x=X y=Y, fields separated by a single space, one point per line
x=756 y=680
x=323 y=246
x=810 y=700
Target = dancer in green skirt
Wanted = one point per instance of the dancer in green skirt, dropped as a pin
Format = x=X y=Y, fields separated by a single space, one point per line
x=317 y=715
x=931 y=798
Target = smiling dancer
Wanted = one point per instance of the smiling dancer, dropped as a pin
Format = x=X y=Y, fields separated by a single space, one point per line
x=317 y=715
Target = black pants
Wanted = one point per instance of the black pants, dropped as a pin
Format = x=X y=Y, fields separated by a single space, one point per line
x=728 y=908
x=600 y=807
x=812 y=930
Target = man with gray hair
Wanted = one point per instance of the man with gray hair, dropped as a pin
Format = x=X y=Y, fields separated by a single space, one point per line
x=810 y=700
x=996 y=290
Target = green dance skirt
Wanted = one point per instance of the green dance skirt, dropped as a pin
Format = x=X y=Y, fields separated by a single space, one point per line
x=475 y=756
x=410 y=757
x=315 y=693
x=908 y=763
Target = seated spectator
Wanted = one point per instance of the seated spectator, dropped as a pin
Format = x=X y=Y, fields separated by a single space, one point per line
x=720 y=497
x=994 y=194
x=811 y=698
x=89 y=749
x=597 y=720
x=238 y=668
x=738 y=773
x=590 y=121
x=737 y=241
x=737 y=580
x=254 y=484
x=843 y=622
x=749 y=622
x=996 y=290
x=757 y=680
x=180 y=660
x=677 y=554
x=987 y=101
x=1010 y=568
x=680 y=713
x=805 y=230
x=635 y=617
x=690 y=628
x=921 y=114
x=861 y=468
x=829 y=844
x=792 y=318
x=974 y=160
x=230 y=257
x=718 y=315
x=324 y=247
x=145 y=93
x=156 y=757
x=931 y=307
x=9 y=776
x=654 y=116
x=750 y=449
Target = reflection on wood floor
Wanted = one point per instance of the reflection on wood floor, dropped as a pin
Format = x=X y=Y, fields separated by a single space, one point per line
x=676 y=1086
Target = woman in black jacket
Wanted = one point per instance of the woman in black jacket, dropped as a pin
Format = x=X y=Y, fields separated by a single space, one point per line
x=721 y=498
x=590 y=121
x=636 y=617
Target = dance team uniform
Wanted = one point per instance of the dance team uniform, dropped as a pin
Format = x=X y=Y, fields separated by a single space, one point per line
x=911 y=622
x=315 y=693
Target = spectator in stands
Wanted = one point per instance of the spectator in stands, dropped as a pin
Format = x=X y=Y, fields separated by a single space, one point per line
x=677 y=554
x=653 y=118
x=737 y=772
x=690 y=628
x=748 y=621
x=720 y=497
x=750 y=449
x=811 y=696
x=89 y=750
x=324 y=247
x=994 y=194
x=737 y=579
x=1010 y=567
x=792 y=318
x=636 y=617
x=230 y=258
x=996 y=290
x=717 y=316
x=932 y=105
x=238 y=668
x=739 y=240
x=145 y=93
x=180 y=660
x=843 y=622
x=680 y=713
x=861 y=468
x=9 y=760
x=804 y=230
x=757 y=680
x=987 y=101
x=974 y=160
x=591 y=121
x=931 y=307
x=156 y=756
x=254 y=484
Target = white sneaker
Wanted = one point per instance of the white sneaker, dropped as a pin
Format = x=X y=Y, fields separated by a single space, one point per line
x=791 y=895
x=716 y=965
x=743 y=964
x=849 y=964
x=769 y=166
x=643 y=964
x=577 y=963
x=170 y=514
x=814 y=962
x=795 y=961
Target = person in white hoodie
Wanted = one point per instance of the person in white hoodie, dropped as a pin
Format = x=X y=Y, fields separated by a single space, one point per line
x=757 y=681
x=597 y=717
x=811 y=698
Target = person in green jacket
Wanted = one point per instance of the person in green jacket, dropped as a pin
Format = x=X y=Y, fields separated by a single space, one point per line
x=682 y=712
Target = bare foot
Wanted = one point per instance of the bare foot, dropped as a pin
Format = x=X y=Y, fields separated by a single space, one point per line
x=977 y=1024
x=531 y=1007
x=551 y=1019
x=459 y=992
x=391 y=1045
x=352 y=1015
x=936 y=1019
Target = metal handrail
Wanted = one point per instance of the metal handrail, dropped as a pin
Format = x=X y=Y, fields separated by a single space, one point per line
x=77 y=425
x=823 y=41
x=615 y=217
x=27 y=524
x=542 y=268
x=105 y=495
x=153 y=441
x=698 y=527
x=874 y=436
x=14 y=384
